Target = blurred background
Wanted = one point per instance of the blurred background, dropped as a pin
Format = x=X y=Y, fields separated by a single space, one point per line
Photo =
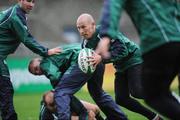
x=53 y=23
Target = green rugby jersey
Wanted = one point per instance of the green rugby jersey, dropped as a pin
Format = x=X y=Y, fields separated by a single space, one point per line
x=14 y=30
x=54 y=66
x=130 y=52
x=157 y=21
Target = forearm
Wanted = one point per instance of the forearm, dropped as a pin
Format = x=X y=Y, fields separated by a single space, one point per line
x=91 y=107
x=109 y=21
x=23 y=35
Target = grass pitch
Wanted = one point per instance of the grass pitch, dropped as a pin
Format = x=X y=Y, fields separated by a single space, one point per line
x=27 y=105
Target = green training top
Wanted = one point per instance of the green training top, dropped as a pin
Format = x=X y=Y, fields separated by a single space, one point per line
x=157 y=21
x=54 y=66
x=14 y=30
x=128 y=55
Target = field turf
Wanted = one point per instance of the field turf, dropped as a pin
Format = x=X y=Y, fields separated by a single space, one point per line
x=27 y=105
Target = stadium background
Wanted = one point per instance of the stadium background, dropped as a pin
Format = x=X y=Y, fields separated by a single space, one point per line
x=52 y=22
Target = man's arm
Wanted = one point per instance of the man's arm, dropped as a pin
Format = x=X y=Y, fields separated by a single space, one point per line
x=93 y=111
x=28 y=40
x=109 y=22
x=103 y=48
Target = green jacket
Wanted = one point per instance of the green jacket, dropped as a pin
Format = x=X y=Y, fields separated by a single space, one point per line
x=55 y=66
x=128 y=55
x=14 y=30
x=157 y=21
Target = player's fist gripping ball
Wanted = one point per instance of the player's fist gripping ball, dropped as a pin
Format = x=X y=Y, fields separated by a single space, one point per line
x=83 y=62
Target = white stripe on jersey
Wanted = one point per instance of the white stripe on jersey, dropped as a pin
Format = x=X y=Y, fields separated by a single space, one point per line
x=155 y=19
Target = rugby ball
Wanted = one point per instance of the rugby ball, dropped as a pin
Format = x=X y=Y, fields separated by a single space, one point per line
x=83 y=62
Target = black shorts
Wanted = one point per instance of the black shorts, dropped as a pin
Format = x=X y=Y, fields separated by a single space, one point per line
x=160 y=66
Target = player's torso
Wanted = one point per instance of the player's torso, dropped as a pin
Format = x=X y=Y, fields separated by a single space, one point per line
x=8 y=38
x=157 y=21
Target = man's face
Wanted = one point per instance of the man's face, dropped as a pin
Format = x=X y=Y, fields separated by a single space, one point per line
x=86 y=28
x=35 y=67
x=27 y=5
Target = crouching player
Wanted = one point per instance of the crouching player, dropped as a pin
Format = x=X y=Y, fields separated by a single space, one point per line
x=48 y=108
x=54 y=67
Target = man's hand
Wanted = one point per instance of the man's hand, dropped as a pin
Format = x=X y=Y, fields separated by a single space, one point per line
x=53 y=51
x=95 y=59
x=103 y=47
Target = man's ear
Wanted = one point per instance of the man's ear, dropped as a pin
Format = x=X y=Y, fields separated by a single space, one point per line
x=93 y=23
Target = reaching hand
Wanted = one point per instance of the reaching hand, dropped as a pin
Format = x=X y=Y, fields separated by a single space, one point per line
x=103 y=47
x=53 y=51
x=95 y=59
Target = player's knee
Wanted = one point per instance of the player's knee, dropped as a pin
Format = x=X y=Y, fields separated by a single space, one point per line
x=48 y=99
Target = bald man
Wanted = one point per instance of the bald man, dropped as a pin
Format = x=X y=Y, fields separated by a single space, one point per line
x=66 y=78
x=102 y=99
x=126 y=58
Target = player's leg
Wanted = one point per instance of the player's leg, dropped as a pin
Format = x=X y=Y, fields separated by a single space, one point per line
x=0 y=115
x=6 y=99
x=6 y=94
x=179 y=83
x=45 y=114
x=159 y=69
x=102 y=99
x=49 y=112
x=85 y=109
x=71 y=82
x=135 y=89
x=134 y=77
x=78 y=108
x=123 y=98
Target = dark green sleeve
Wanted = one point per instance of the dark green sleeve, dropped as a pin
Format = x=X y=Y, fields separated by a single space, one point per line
x=50 y=70
x=23 y=35
x=118 y=51
x=111 y=14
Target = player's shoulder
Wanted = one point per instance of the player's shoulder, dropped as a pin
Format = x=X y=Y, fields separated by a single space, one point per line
x=17 y=14
x=12 y=11
x=45 y=64
x=7 y=14
x=71 y=46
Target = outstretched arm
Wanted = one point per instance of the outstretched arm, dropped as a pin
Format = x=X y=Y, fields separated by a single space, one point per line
x=53 y=51
x=103 y=47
